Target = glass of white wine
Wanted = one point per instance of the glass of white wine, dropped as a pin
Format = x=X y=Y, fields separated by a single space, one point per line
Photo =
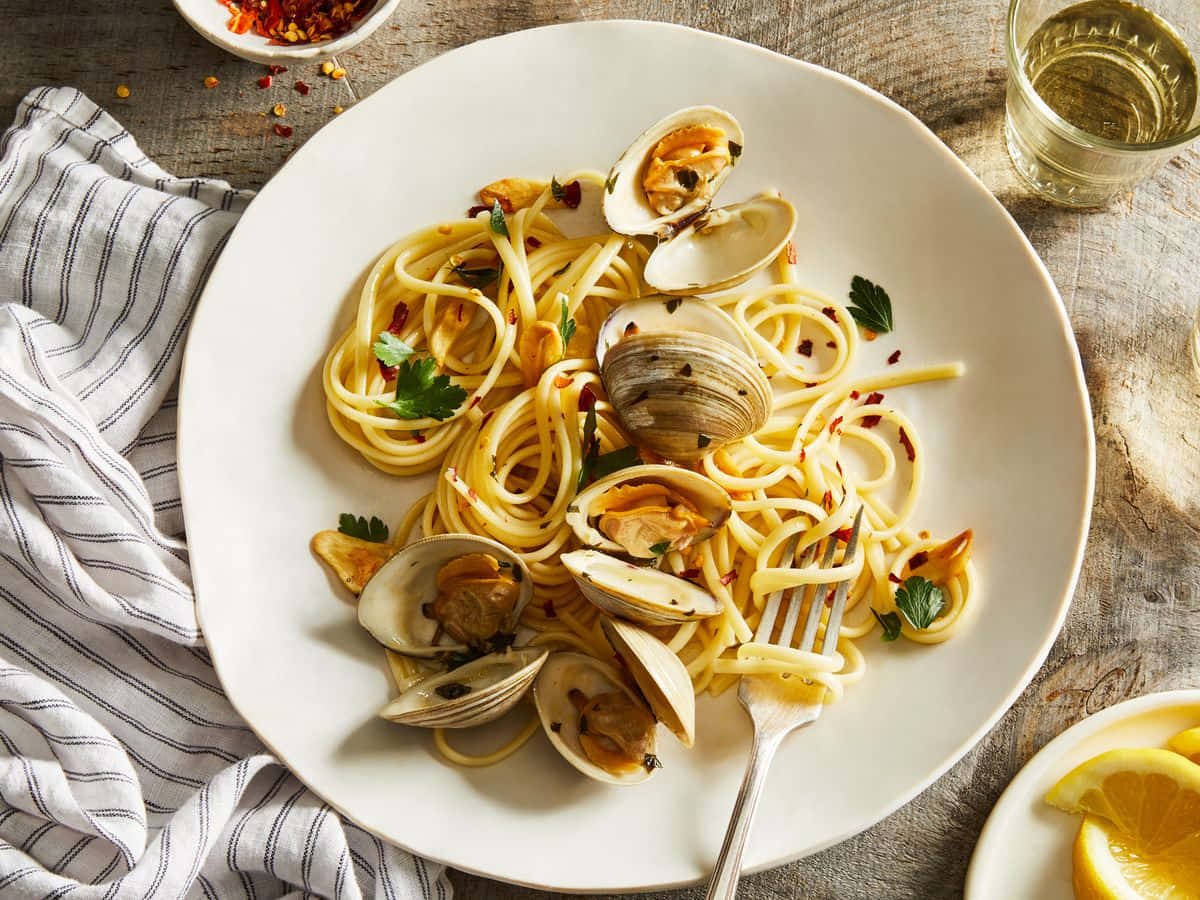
x=1100 y=93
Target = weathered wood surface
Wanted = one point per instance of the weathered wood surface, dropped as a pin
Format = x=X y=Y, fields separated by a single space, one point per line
x=1128 y=275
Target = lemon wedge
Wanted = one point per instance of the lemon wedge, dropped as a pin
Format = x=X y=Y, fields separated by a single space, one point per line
x=1141 y=837
x=1187 y=743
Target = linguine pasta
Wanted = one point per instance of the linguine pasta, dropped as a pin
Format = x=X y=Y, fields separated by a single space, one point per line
x=509 y=458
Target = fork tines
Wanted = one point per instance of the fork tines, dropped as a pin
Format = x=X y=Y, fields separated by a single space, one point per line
x=795 y=598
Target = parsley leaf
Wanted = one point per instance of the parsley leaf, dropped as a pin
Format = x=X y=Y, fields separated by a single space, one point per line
x=556 y=189
x=611 y=181
x=390 y=350
x=872 y=307
x=890 y=623
x=735 y=150
x=660 y=548
x=673 y=304
x=422 y=394
x=607 y=463
x=566 y=327
x=920 y=600
x=359 y=527
x=497 y=220
x=688 y=178
x=596 y=464
x=479 y=277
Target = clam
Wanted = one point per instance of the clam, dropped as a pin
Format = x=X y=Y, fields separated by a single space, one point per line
x=646 y=511
x=663 y=186
x=478 y=692
x=660 y=675
x=595 y=720
x=451 y=593
x=679 y=374
x=636 y=593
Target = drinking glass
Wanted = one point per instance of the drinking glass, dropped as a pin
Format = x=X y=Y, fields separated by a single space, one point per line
x=1060 y=161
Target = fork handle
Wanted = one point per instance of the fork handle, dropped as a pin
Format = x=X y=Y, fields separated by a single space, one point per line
x=723 y=885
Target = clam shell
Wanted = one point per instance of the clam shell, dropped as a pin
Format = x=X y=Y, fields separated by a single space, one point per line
x=625 y=206
x=636 y=593
x=684 y=395
x=660 y=675
x=497 y=681
x=710 y=499
x=560 y=718
x=663 y=313
x=389 y=606
x=723 y=247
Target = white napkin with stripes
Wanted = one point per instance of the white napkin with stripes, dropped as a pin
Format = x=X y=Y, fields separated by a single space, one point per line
x=124 y=771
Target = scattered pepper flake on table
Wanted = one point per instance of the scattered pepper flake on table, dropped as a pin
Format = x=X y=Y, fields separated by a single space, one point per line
x=275 y=69
x=264 y=82
x=282 y=130
x=302 y=88
x=123 y=91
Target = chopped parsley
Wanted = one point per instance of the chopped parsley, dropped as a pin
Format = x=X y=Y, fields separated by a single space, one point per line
x=358 y=526
x=611 y=181
x=390 y=350
x=478 y=277
x=688 y=178
x=497 y=219
x=556 y=189
x=596 y=464
x=566 y=326
x=660 y=548
x=420 y=393
x=872 y=307
x=890 y=624
x=920 y=600
x=735 y=150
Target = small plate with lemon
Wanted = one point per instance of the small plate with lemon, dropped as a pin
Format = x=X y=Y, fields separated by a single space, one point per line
x=1108 y=809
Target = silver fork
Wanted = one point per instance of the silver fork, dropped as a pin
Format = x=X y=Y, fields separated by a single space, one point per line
x=773 y=713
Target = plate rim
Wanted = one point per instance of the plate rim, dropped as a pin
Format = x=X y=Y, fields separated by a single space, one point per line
x=947 y=156
x=1036 y=765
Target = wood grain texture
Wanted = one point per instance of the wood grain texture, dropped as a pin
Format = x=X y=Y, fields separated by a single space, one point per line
x=1128 y=275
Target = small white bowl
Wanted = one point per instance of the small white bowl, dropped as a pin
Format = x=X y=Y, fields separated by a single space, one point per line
x=210 y=18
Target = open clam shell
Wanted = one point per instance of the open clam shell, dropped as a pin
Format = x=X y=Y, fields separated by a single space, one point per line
x=692 y=178
x=660 y=675
x=390 y=606
x=723 y=247
x=659 y=313
x=560 y=718
x=706 y=498
x=472 y=694
x=637 y=593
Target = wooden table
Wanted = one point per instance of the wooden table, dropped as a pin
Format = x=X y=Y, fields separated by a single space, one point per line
x=1129 y=277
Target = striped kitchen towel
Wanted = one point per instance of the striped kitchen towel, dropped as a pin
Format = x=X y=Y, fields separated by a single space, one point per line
x=124 y=771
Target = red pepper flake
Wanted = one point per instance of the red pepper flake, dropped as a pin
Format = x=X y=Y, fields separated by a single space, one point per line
x=839 y=467
x=512 y=317
x=572 y=194
x=562 y=381
x=399 y=317
x=458 y=315
x=805 y=348
x=487 y=416
x=835 y=423
x=917 y=560
x=830 y=312
x=690 y=573
x=302 y=88
x=832 y=345
x=264 y=82
x=908 y=446
x=388 y=372
x=854 y=395
x=874 y=397
x=587 y=399
x=282 y=130
x=871 y=421
x=420 y=438
x=803 y=454
x=287 y=22
x=843 y=535
x=548 y=609
x=453 y=473
x=827 y=500
x=791 y=253
x=894 y=578
x=728 y=577
x=474 y=402
x=533 y=243
x=894 y=358
x=471 y=493
x=476 y=210
x=276 y=70
x=811 y=383
x=630 y=329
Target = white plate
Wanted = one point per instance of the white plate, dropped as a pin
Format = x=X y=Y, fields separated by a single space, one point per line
x=1025 y=847
x=1011 y=451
